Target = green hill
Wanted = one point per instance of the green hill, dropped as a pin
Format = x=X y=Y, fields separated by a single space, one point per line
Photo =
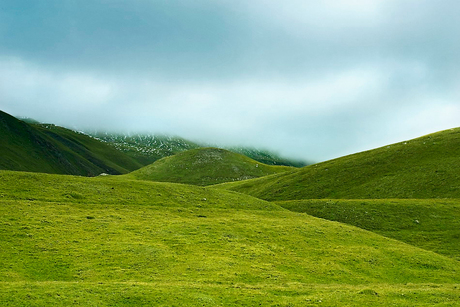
x=51 y=149
x=426 y=167
x=205 y=166
x=91 y=149
x=431 y=224
x=112 y=241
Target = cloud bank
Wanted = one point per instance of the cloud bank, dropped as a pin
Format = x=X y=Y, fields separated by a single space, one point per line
x=311 y=80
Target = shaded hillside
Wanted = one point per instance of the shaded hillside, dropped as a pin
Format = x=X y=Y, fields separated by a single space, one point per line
x=35 y=148
x=431 y=224
x=91 y=149
x=426 y=167
x=205 y=166
x=111 y=241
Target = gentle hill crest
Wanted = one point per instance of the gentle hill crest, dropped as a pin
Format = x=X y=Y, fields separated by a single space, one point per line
x=206 y=166
x=425 y=167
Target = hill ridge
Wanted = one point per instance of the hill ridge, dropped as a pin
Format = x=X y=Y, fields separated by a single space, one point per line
x=425 y=167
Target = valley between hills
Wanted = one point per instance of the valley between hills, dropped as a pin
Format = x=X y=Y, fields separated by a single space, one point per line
x=110 y=220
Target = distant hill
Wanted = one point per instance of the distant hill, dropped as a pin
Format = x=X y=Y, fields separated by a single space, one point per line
x=267 y=157
x=206 y=166
x=148 y=148
x=51 y=149
x=426 y=167
x=145 y=148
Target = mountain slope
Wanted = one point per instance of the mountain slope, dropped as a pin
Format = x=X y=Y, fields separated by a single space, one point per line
x=267 y=157
x=111 y=241
x=56 y=150
x=205 y=166
x=147 y=148
x=91 y=149
x=426 y=167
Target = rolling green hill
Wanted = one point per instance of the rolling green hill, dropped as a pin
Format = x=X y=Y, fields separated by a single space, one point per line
x=205 y=166
x=112 y=241
x=426 y=167
x=51 y=149
x=93 y=150
x=431 y=224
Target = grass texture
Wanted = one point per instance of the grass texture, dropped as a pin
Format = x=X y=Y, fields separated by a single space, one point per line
x=111 y=241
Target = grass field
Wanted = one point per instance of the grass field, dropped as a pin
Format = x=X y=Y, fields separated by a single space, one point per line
x=111 y=241
x=432 y=224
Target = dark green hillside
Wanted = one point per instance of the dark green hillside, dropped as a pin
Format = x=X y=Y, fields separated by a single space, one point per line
x=50 y=149
x=110 y=241
x=91 y=149
x=205 y=166
x=431 y=224
x=25 y=148
x=426 y=167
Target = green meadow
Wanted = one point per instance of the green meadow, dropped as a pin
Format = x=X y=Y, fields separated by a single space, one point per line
x=111 y=241
x=378 y=228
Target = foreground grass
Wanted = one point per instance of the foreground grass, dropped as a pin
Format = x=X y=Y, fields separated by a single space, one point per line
x=432 y=224
x=196 y=294
x=178 y=245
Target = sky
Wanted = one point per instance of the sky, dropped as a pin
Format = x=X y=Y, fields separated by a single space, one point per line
x=308 y=79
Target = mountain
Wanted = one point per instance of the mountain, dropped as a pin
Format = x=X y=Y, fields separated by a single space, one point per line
x=267 y=157
x=113 y=241
x=147 y=148
x=426 y=167
x=205 y=166
x=52 y=149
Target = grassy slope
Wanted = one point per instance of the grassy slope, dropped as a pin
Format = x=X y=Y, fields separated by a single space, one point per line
x=97 y=152
x=426 y=167
x=27 y=147
x=431 y=224
x=205 y=166
x=109 y=241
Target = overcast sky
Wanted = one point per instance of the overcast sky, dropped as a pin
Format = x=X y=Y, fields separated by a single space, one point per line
x=308 y=79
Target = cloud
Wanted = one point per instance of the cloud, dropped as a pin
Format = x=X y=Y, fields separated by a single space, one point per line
x=311 y=79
